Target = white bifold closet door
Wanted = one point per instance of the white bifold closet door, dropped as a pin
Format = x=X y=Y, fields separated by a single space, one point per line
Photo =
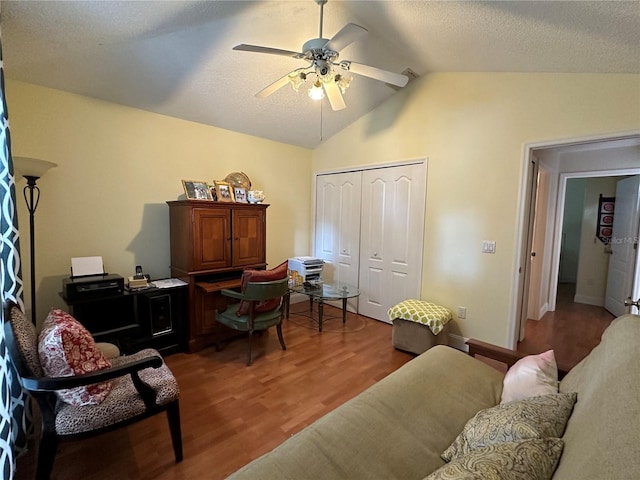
x=369 y=231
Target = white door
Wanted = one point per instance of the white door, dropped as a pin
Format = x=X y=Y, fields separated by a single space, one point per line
x=624 y=244
x=392 y=224
x=337 y=235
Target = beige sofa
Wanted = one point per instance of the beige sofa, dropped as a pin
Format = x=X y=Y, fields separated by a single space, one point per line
x=398 y=428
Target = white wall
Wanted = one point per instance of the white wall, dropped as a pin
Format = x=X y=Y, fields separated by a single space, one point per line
x=473 y=128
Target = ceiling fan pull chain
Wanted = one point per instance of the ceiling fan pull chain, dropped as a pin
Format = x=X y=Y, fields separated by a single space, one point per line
x=321 y=121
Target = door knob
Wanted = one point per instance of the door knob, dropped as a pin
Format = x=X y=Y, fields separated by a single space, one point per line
x=630 y=303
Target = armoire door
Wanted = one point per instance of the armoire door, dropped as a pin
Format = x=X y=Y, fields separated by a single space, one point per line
x=337 y=233
x=391 y=237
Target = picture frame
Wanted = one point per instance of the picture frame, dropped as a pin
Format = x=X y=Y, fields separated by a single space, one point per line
x=240 y=194
x=224 y=192
x=196 y=190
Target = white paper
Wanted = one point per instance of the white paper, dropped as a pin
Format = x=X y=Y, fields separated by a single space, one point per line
x=168 y=283
x=81 y=266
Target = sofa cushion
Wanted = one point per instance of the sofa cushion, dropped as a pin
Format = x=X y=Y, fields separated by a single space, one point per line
x=531 y=376
x=397 y=428
x=536 y=417
x=533 y=459
x=606 y=419
x=66 y=348
x=249 y=275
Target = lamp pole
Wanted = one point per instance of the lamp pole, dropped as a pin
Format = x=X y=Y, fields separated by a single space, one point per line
x=32 y=203
x=32 y=169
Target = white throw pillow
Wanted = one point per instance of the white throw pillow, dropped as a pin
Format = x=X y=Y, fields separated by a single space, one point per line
x=531 y=376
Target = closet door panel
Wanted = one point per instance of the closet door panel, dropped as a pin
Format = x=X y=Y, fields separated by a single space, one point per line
x=338 y=226
x=391 y=242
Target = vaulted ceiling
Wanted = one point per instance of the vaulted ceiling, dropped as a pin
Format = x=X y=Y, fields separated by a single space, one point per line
x=175 y=57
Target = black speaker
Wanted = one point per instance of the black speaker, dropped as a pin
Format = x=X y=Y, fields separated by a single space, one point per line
x=160 y=312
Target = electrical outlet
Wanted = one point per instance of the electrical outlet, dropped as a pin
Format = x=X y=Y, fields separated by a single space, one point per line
x=462 y=312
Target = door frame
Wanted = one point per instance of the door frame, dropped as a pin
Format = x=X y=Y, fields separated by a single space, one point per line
x=523 y=234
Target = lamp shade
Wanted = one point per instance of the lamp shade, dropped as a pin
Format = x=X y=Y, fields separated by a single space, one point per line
x=31 y=167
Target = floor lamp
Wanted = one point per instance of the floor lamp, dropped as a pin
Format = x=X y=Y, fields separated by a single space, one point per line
x=32 y=169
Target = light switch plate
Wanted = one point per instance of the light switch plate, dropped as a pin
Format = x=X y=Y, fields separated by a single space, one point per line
x=488 y=246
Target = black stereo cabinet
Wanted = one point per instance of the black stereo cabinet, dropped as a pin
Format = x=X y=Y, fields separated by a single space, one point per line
x=133 y=320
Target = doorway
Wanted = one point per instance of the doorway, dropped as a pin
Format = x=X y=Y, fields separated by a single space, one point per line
x=587 y=158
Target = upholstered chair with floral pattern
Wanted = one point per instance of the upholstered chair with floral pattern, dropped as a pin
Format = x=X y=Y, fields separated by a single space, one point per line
x=106 y=393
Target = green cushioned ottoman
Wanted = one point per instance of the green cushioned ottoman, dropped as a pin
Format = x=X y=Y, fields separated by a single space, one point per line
x=419 y=325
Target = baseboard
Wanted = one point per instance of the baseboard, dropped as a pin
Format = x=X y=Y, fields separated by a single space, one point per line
x=458 y=342
x=544 y=309
x=597 y=301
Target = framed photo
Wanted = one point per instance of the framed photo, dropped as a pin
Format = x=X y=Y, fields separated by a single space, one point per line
x=214 y=194
x=224 y=192
x=240 y=193
x=196 y=190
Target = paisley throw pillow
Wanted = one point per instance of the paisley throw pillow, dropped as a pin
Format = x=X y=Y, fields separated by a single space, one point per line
x=65 y=349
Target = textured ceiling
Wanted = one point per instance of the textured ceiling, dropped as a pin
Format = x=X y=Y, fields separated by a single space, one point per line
x=176 y=58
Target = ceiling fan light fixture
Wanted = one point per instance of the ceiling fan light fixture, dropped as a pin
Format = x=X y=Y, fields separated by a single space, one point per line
x=297 y=80
x=316 y=92
x=343 y=81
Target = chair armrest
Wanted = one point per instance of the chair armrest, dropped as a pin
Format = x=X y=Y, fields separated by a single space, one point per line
x=51 y=384
x=232 y=293
x=494 y=352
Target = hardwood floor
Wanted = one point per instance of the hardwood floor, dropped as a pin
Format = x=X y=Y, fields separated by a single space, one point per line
x=232 y=413
x=571 y=331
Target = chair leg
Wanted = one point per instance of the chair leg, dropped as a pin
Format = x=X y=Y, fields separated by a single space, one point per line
x=280 y=337
x=173 y=415
x=46 y=455
x=249 y=348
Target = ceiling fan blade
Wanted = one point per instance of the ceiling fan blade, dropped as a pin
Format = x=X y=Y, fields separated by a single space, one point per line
x=396 y=79
x=278 y=84
x=273 y=51
x=334 y=95
x=349 y=34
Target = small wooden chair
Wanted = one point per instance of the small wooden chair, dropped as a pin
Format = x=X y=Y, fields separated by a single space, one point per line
x=258 y=295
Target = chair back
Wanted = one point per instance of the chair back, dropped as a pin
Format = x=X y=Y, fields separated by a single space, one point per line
x=266 y=290
x=21 y=339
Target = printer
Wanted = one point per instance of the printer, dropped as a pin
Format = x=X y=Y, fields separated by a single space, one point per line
x=77 y=288
x=305 y=269
x=88 y=279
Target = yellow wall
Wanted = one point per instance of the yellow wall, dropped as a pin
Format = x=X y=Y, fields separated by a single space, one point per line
x=117 y=166
x=472 y=128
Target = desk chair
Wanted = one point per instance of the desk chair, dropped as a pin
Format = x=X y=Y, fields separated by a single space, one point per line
x=258 y=295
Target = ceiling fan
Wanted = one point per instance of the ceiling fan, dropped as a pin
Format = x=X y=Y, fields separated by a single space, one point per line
x=322 y=56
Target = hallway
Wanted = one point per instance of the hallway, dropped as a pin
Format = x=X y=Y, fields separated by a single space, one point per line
x=571 y=331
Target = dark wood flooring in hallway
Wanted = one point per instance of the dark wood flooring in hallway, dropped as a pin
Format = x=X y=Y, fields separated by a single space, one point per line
x=571 y=331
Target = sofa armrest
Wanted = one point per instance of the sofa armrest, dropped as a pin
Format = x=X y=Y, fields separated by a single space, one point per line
x=504 y=355
x=494 y=352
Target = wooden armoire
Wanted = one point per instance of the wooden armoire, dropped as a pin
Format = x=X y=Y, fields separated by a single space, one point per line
x=211 y=244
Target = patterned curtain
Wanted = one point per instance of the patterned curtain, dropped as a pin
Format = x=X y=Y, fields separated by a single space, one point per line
x=13 y=417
